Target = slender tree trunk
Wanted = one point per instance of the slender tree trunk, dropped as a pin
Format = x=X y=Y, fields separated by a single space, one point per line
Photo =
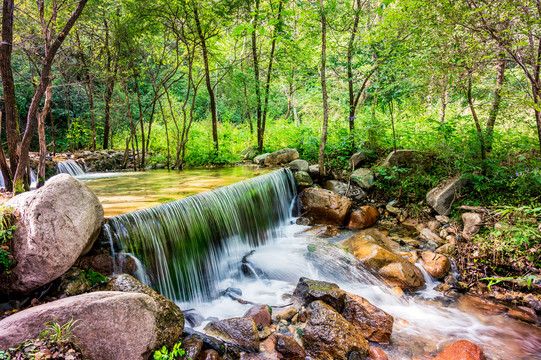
x=351 y=43
x=247 y=107
x=141 y=122
x=89 y=89
x=257 y=83
x=53 y=133
x=321 y=157
x=207 y=78
x=443 y=106
x=392 y=123
x=477 y=125
x=41 y=134
x=495 y=102
x=4 y=165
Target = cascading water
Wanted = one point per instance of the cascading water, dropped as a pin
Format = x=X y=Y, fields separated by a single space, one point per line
x=184 y=243
x=69 y=167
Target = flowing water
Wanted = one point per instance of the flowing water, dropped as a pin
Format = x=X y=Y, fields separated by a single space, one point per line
x=241 y=240
x=69 y=167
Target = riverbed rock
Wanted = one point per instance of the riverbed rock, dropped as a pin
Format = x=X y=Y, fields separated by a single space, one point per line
x=377 y=354
x=461 y=350
x=313 y=170
x=105 y=265
x=428 y=235
x=303 y=179
x=324 y=206
x=239 y=331
x=308 y=290
x=169 y=317
x=357 y=159
x=110 y=325
x=58 y=223
x=336 y=186
x=299 y=165
x=472 y=225
x=327 y=335
x=282 y=156
x=73 y=282
x=442 y=197
x=280 y=346
x=365 y=217
x=372 y=322
x=260 y=314
x=286 y=314
x=260 y=159
x=192 y=345
x=394 y=269
x=402 y=158
x=364 y=178
x=249 y=153
x=437 y=265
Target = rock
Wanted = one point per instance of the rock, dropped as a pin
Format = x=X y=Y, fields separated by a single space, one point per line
x=73 y=282
x=248 y=154
x=208 y=355
x=364 y=217
x=401 y=158
x=283 y=347
x=313 y=170
x=58 y=223
x=304 y=221
x=336 y=186
x=308 y=291
x=260 y=314
x=442 y=219
x=472 y=225
x=373 y=323
x=441 y=197
x=260 y=159
x=282 y=156
x=192 y=345
x=396 y=270
x=303 y=179
x=478 y=305
x=364 y=178
x=324 y=206
x=239 y=331
x=110 y=325
x=327 y=335
x=525 y=314
x=105 y=265
x=393 y=210
x=433 y=225
x=428 y=235
x=169 y=317
x=377 y=354
x=299 y=165
x=461 y=350
x=357 y=159
x=447 y=249
x=286 y=314
x=321 y=231
x=437 y=265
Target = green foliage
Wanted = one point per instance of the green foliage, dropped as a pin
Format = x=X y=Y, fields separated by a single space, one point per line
x=59 y=333
x=7 y=227
x=164 y=354
x=93 y=278
x=4 y=355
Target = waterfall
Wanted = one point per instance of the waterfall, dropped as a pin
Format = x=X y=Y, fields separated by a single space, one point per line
x=190 y=245
x=69 y=167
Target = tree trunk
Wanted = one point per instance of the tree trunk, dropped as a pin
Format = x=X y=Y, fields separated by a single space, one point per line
x=477 y=125
x=255 y=61
x=495 y=102
x=321 y=157
x=350 y=71
x=4 y=165
x=41 y=134
x=207 y=78
x=443 y=106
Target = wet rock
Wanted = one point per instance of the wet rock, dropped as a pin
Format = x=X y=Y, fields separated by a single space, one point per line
x=124 y=329
x=105 y=265
x=304 y=221
x=324 y=206
x=286 y=314
x=260 y=314
x=192 y=345
x=239 y=331
x=357 y=159
x=472 y=225
x=308 y=291
x=441 y=198
x=321 y=231
x=461 y=350
x=364 y=217
x=280 y=346
x=373 y=323
x=364 y=178
x=169 y=317
x=260 y=159
x=402 y=158
x=377 y=354
x=248 y=154
x=299 y=165
x=58 y=223
x=428 y=235
x=282 y=156
x=327 y=335
x=525 y=314
x=208 y=355
x=433 y=225
x=437 y=265
x=396 y=270
x=303 y=179
x=478 y=305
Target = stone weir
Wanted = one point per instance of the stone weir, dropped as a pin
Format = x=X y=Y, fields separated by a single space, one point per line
x=189 y=245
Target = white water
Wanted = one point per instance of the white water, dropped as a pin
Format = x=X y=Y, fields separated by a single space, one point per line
x=69 y=167
x=421 y=324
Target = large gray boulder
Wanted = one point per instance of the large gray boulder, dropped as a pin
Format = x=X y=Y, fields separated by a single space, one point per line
x=260 y=159
x=401 y=158
x=441 y=197
x=282 y=156
x=299 y=165
x=249 y=153
x=364 y=178
x=108 y=325
x=58 y=223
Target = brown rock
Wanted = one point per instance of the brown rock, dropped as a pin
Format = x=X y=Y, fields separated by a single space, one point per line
x=260 y=314
x=461 y=350
x=437 y=265
x=428 y=235
x=395 y=270
x=328 y=336
x=472 y=225
x=373 y=323
x=209 y=355
x=324 y=206
x=377 y=354
x=282 y=156
x=469 y=303
x=524 y=314
x=110 y=325
x=321 y=231
x=283 y=347
x=287 y=314
x=239 y=331
x=104 y=264
x=433 y=225
x=364 y=217
x=58 y=223
x=192 y=345
x=308 y=291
